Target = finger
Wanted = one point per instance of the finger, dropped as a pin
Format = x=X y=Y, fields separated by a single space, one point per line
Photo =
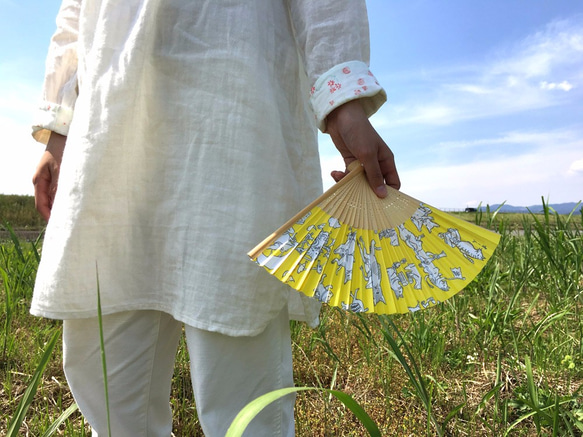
x=337 y=175
x=375 y=176
x=389 y=170
x=392 y=179
x=53 y=185
x=42 y=198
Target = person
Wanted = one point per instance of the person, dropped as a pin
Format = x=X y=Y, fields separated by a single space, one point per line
x=179 y=133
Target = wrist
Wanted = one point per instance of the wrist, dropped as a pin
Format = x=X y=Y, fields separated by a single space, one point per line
x=56 y=145
x=347 y=113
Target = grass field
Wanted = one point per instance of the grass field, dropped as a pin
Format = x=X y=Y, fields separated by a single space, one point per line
x=504 y=357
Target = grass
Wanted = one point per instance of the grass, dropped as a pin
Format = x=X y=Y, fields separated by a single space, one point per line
x=504 y=357
x=20 y=211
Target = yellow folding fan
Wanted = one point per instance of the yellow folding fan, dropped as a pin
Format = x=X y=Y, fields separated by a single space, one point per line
x=353 y=250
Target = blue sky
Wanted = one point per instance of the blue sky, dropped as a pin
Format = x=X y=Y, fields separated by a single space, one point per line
x=485 y=97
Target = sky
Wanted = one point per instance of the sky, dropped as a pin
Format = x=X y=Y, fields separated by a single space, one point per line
x=485 y=98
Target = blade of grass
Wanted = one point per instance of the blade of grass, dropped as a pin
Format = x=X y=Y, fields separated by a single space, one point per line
x=534 y=411
x=8 y=312
x=412 y=370
x=15 y=241
x=64 y=416
x=533 y=393
x=252 y=409
x=102 y=347
x=20 y=414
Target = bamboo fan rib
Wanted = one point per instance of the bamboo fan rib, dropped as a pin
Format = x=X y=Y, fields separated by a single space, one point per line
x=358 y=206
x=353 y=250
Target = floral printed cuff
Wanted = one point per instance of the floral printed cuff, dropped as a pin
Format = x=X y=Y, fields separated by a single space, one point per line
x=51 y=117
x=342 y=83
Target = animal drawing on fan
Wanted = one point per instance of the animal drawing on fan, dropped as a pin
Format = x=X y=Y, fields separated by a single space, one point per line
x=307 y=240
x=323 y=292
x=318 y=247
x=334 y=223
x=303 y=219
x=422 y=217
x=423 y=304
x=426 y=303
x=396 y=280
x=345 y=260
x=391 y=234
x=413 y=275
x=452 y=238
x=407 y=276
x=434 y=275
x=371 y=270
x=426 y=259
x=356 y=306
x=274 y=254
x=324 y=254
x=325 y=250
x=457 y=273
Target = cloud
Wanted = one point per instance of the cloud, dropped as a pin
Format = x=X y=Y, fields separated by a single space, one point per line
x=576 y=168
x=564 y=85
x=511 y=80
x=520 y=181
x=532 y=139
x=559 y=44
x=550 y=165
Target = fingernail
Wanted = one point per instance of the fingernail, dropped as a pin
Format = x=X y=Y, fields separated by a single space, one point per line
x=381 y=191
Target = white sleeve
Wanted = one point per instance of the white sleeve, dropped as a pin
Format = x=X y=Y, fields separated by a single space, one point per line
x=334 y=42
x=59 y=91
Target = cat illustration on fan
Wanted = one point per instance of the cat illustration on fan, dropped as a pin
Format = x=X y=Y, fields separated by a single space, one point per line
x=371 y=269
x=453 y=238
x=426 y=259
x=345 y=252
x=356 y=306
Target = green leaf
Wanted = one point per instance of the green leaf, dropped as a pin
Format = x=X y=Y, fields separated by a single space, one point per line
x=64 y=416
x=252 y=409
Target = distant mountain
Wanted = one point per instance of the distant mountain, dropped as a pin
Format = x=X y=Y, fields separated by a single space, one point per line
x=561 y=208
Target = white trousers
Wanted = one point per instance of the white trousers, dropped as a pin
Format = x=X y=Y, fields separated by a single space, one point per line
x=140 y=347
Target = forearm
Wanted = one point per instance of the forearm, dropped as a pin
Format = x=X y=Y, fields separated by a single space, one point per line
x=334 y=42
x=56 y=146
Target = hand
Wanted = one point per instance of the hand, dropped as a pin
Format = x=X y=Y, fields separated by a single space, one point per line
x=46 y=176
x=355 y=138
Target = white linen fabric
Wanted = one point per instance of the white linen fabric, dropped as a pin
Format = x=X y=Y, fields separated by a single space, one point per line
x=227 y=373
x=191 y=135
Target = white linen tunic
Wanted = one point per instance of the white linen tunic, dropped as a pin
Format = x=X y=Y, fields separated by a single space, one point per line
x=191 y=136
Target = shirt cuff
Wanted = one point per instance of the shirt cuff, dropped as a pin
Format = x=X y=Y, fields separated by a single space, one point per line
x=343 y=83
x=51 y=117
